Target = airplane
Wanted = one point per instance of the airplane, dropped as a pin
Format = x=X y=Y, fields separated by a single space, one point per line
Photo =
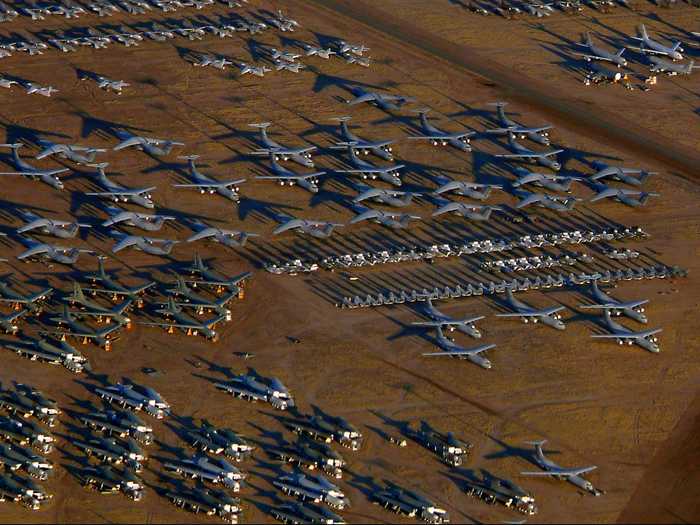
x=520 y=152
x=258 y=71
x=174 y=318
x=144 y=221
x=368 y=170
x=52 y=352
x=622 y=195
x=620 y=173
x=32 y=302
x=95 y=309
x=213 y=470
x=318 y=51
x=355 y=49
x=8 y=321
x=107 y=480
x=208 y=501
x=438 y=137
x=318 y=229
x=209 y=60
x=283 y=23
x=16 y=457
x=271 y=147
x=437 y=318
x=200 y=303
x=33 y=87
x=659 y=65
x=647 y=45
x=450 y=349
x=110 y=451
x=572 y=475
x=26 y=170
x=384 y=101
x=538 y=134
x=118 y=423
x=381 y=148
x=645 y=339
x=254 y=388
x=26 y=433
x=473 y=212
x=296 y=512
x=230 y=238
x=312 y=488
x=206 y=184
x=598 y=53
x=152 y=146
x=117 y=192
x=135 y=397
x=559 y=183
x=390 y=219
x=473 y=190
x=72 y=152
x=149 y=245
x=210 y=439
x=308 y=181
x=395 y=198
x=354 y=59
x=113 y=287
x=26 y=401
x=544 y=200
x=23 y=491
x=208 y=277
x=631 y=309
x=547 y=316
x=103 y=337
x=283 y=55
x=107 y=84
x=45 y=251
x=57 y=228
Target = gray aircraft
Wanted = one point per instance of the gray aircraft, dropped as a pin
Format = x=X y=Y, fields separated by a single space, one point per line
x=143 y=221
x=547 y=316
x=632 y=198
x=308 y=181
x=544 y=200
x=537 y=134
x=213 y=470
x=549 y=468
x=230 y=238
x=317 y=51
x=95 y=309
x=206 y=184
x=520 y=152
x=603 y=301
x=149 y=245
x=368 y=170
x=55 y=227
x=354 y=59
x=473 y=190
x=174 y=318
x=558 y=183
x=16 y=457
x=118 y=193
x=248 y=69
x=108 y=480
x=278 y=151
x=110 y=451
x=437 y=318
x=191 y=299
x=23 y=491
x=622 y=335
x=152 y=146
x=287 y=56
x=45 y=251
x=201 y=274
x=52 y=352
x=284 y=23
x=381 y=148
x=390 y=219
x=385 y=101
x=448 y=348
x=410 y=503
x=9 y=322
x=108 y=84
x=118 y=423
x=647 y=45
x=318 y=229
x=112 y=287
x=254 y=388
x=34 y=88
x=72 y=152
x=26 y=433
x=473 y=212
x=599 y=74
x=210 y=60
x=304 y=513
x=135 y=397
x=620 y=173
x=660 y=65
x=438 y=137
x=314 y=488
x=74 y=328
x=27 y=401
x=598 y=53
x=395 y=198
x=32 y=302
x=213 y=440
x=26 y=170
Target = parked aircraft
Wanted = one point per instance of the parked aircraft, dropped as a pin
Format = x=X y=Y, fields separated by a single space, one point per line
x=45 y=251
x=118 y=423
x=248 y=69
x=631 y=198
x=647 y=45
x=448 y=348
x=52 y=352
x=367 y=170
x=598 y=53
x=318 y=229
x=313 y=488
x=437 y=318
x=190 y=299
x=16 y=457
x=149 y=145
x=395 y=198
x=603 y=301
x=474 y=212
x=547 y=316
x=472 y=190
x=95 y=309
x=559 y=183
x=537 y=134
x=143 y=221
x=572 y=475
x=26 y=170
x=659 y=65
x=254 y=388
x=149 y=245
x=112 y=452
x=213 y=61
x=308 y=181
x=174 y=318
x=381 y=148
x=317 y=51
x=205 y=184
x=620 y=173
x=213 y=470
x=230 y=238
x=622 y=335
x=135 y=397
x=544 y=200
x=9 y=322
x=72 y=152
x=390 y=219
x=202 y=274
x=520 y=152
x=118 y=193
x=384 y=101
x=112 y=287
x=108 y=480
x=32 y=302
x=55 y=227
x=210 y=439
x=438 y=137
x=73 y=328
x=278 y=151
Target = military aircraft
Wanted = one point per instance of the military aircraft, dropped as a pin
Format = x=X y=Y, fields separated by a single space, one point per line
x=27 y=401
x=572 y=475
x=537 y=134
x=213 y=440
x=174 y=318
x=110 y=451
x=286 y=56
x=317 y=51
x=208 y=277
x=355 y=49
x=284 y=23
x=450 y=349
x=230 y=238
x=631 y=309
x=395 y=198
x=26 y=433
x=278 y=151
x=368 y=170
x=318 y=229
x=438 y=137
x=8 y=322
x=304 y=513
x=16 y=457
x=45 y=251
x=437 y=318
x=384 y=101
x=118 y=193
x=314 y=488
x=308 y=181
x=72 y=152
x=559 y=183
x=26 y=170
x=547 y=316
x=598 y=53
x=52 y=352
x=622 y=195
x=647 y=45
x=659 y=65
x=213 y=470
x=34 y=88
x=544 y=200
x=473 y=190
x=208 y=501
x=206 y=184
x=210 y=60
x=135 y=397
x=520 y=152
x=473 y=212
x=103 y=337
x=599 y=74
x=253 y=387
x=144 y=221
x=381 y=148
x=118 y=423
x=354 y=59
x=410 y=503
x=108 y=480
x=199 y=302
x=149 y=245
x=55 y=227
x=644 y=339
x=390 y=219
x=113 y=287
x=248 y=69
x=620 y=173
x=95 y=309
x=109 y=84
x=32 y=302
x=152 y=146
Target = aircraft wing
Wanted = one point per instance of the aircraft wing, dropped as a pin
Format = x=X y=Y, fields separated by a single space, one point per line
x=367 y=97
x=375 y=170
x=295 y=223
x=125 y=192
x=448 y=322
x=124 y=243
x=615 y=306
x=556 y=471
x=50 y=150
x=533 y=313
x=131 y=141
x=631 y=335
x=446 y=136
x=174 y=325
x=644 y=50
x=35 y=250
x=224 y=184
x=283 y=151
x=466 y=352
x=37 y=223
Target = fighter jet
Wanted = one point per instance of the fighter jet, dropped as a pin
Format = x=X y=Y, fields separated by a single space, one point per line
x=473 y=190
x=318 y=229
x=34 y=88
x=118 y=423
x=283 y=23
x=118 y=193
x=174 y=318
x=384 y=101
x=544 y=200
x=143 y=221
x=110 y=451
x=152 y=146
x=201 y=274
x=390 y=219
x=622 y=195
x=537 y=134
x=57 y=228
x=258 y=71
x=73 y=328
x=620 y=173
x=441 y=138
x=355 y=49
x=30 y=172
x=547 y=316
x=282 y=55
x=278 y=151
x=206 y=184
x=9 y=322
x=45 y=251
x=572 y=475
x=644 y=339
x=149 y=245
x=209 y=60
x=598 y=53
x=95 y=309
x=473 y=212
x=631 y=309
x=108 y=480
x=320 y=52
x=256 y=388
x=135 y=397
x=230 y=238
x=210 y=439
x=314 y=488
x=437 y=318
x=191 y=299
x=395 y=198
x=647 y=45
x=368 y=170
x=27 y=401
x=108 y=84
x=659 y=65
x=354 y=59
x=450 y=349
x=32 y=302
x=204 y=468
x=558 y=183
x=52 y=352
x=381 y=148
x=520 y=152
x=16 y=457
x=308 y=181
x=78 y=154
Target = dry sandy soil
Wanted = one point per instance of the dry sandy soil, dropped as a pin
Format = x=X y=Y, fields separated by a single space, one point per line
x=633 y=414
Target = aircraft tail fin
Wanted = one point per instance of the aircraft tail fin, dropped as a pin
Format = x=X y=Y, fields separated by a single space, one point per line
x=643 y=31
x=198 y=263
x=78 y=292
x=101 y=268
x=620 y=52
x=587 y=39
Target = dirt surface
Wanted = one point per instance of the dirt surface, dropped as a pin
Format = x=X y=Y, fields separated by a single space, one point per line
x=631 y=413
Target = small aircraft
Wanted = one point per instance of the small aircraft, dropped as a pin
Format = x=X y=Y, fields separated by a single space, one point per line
x=547 y=316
